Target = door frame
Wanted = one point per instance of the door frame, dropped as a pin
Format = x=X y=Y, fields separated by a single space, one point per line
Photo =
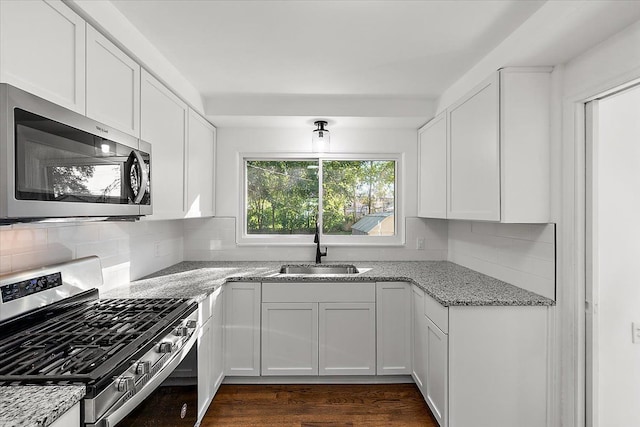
x=575 y=340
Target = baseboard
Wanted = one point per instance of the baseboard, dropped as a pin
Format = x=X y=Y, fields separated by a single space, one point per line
x=347 y=379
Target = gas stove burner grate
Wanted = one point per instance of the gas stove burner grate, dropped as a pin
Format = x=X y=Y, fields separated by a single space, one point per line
x=76 y=342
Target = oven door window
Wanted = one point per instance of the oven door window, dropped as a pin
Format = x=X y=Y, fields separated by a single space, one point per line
x=55 y=162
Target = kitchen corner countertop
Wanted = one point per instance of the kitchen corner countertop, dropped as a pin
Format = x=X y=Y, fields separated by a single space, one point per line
x=36 y=406
x=448 y=283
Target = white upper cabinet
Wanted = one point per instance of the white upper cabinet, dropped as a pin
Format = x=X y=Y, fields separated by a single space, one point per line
x=201 y=146
x=432 y=149
x=486 y=157
x=113 y=85
x=42 y=51
x=163 y=123
x=525 y=96
x=474 y=153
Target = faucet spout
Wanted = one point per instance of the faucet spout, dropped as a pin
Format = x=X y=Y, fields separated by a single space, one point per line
x=316 y=240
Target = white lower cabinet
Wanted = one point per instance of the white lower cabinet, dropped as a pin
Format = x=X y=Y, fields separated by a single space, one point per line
x=481 y=365
x=318 y=329
x=419 y=353
x=217 y=341
x=242 y=329
x=290 y=338
x=436 y=370
x=210 y=350
x=205 y=374
x=347 y=339
x=498 y=366
x=393 y=328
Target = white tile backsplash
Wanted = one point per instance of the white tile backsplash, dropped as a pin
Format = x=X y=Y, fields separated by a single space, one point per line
x=521 y=254
x=214 y=239
x=127 y=250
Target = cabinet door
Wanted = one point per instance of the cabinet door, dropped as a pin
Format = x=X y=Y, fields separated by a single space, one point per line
x=474 y=155
x=200 y=167
x=217 y=329
x=419 y=362
x=347 y=339
x=289 y=339
x=164 y=124
x=113 y=85
x=437 y=371
x=205 y=383
x=42 y=50
x=393 y=328
x=242 y=329
x=432 y=148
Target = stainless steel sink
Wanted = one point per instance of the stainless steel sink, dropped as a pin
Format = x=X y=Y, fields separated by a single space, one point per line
x=319 y=269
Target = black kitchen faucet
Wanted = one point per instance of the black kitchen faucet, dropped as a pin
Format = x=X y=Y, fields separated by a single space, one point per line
x=316 y=240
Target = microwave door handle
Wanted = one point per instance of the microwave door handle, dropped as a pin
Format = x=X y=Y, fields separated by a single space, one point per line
x=144 y=177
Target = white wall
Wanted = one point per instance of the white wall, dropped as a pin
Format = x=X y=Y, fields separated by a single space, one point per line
x=617 y=251
x=127 y=250
x=520 y=254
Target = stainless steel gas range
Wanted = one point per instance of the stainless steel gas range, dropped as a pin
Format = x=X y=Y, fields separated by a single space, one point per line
x=53 y=330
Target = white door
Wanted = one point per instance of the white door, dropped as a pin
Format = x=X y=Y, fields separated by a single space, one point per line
x=613 y=234
x=347 y=338
x=290 y=338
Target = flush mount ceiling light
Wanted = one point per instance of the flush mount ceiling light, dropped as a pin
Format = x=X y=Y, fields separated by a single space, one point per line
x=320 y=137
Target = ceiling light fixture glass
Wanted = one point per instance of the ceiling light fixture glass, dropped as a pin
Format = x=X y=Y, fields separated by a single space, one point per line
x=320 y=137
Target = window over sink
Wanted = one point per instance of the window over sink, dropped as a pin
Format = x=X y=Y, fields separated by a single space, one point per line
x=353 y=198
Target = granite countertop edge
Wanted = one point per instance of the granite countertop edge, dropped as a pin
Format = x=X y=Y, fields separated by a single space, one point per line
x=448 y=283
x=53 y=402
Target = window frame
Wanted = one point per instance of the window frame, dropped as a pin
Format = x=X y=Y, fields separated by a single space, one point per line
x=245 y=239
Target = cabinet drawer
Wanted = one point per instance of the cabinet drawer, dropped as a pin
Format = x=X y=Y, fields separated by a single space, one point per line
x=318 y=292
x=438 y=313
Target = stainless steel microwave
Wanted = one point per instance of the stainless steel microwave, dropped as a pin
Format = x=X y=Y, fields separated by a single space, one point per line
x=56 y=163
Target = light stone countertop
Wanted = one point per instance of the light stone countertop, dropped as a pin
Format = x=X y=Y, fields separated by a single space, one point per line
x=448 y=283
x=36 y=406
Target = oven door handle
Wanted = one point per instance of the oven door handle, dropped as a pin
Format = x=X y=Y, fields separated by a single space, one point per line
x=112 y=418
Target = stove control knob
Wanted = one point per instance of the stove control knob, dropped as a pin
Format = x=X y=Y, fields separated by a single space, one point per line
x=142 y=367
x=124 y=384
x=181 y=331
x=191 y=324
x=165 y=347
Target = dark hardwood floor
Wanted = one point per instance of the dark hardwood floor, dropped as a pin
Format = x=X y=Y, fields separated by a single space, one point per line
x=319 y=406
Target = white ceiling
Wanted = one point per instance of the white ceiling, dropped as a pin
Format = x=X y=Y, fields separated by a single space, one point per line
x=236 y=53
